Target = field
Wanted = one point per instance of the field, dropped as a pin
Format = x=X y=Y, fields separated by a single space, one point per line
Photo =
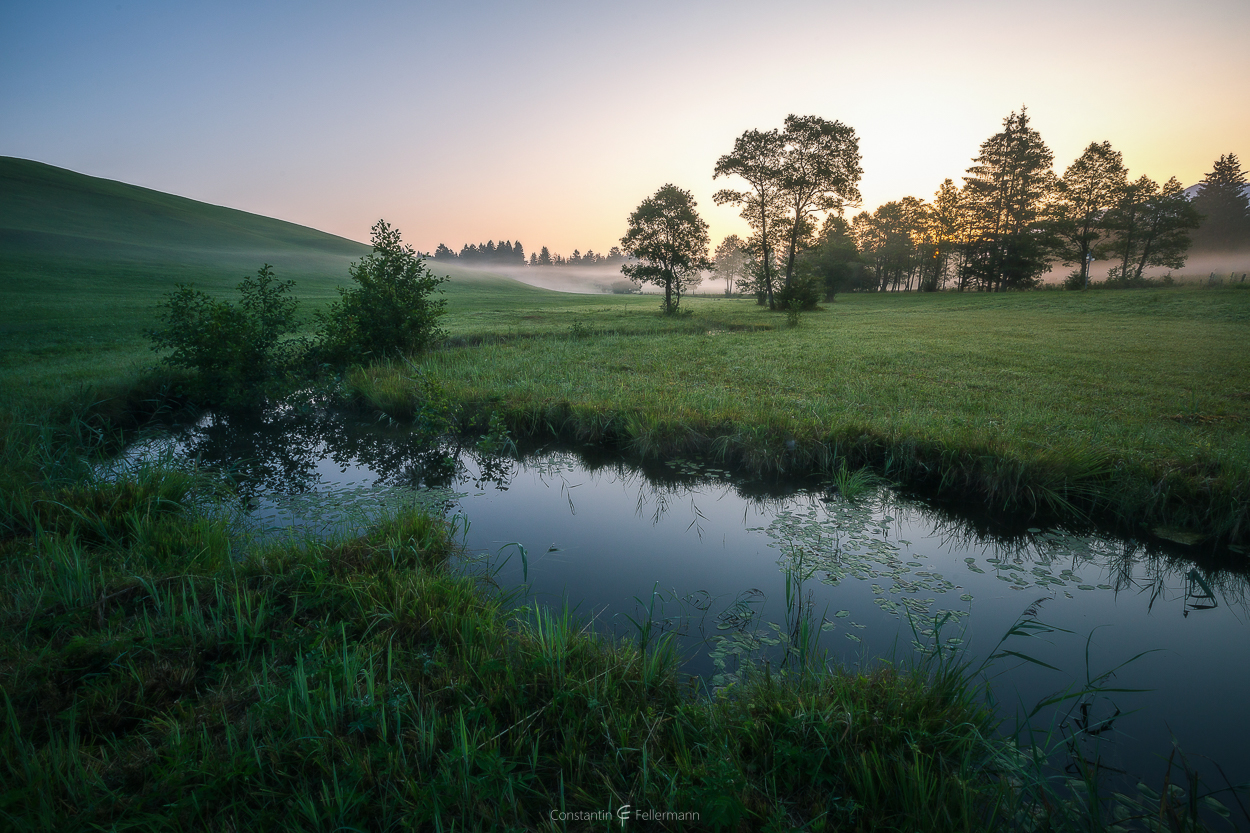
x=1129 y=404
x=154 y=671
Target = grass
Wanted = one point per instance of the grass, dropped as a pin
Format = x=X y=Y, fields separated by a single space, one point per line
x=1133 y=405
x=149 y=678
x=153 y=673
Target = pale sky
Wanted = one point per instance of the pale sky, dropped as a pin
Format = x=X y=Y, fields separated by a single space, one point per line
x=548 y=122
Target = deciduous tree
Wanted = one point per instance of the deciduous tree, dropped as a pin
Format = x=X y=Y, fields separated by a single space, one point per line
x=1090 y=187
x=757 y=157
x=390 y=311
x=809 y=167
x=820 y=172
x=670 y=240
x=1152 y=227
x=731 y=261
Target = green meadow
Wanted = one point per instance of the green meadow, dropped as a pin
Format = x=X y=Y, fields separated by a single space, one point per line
x=1125 y=405
x=157 y=672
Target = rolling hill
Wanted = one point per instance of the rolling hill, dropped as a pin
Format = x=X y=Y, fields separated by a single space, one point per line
x=85 y=260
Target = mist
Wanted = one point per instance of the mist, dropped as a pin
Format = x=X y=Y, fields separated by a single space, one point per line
x=1227 y=267
x=585 y=280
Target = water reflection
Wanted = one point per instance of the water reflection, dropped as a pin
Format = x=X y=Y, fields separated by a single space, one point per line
x=1129 y=641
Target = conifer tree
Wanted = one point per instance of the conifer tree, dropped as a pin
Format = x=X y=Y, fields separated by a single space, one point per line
x=1225 y=207
x=1005 y=192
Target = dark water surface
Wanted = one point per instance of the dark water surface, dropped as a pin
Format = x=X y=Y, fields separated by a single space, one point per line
x=707 y=555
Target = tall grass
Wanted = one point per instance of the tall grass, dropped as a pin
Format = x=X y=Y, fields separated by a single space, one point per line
x=154 y=677
x=1061 y=404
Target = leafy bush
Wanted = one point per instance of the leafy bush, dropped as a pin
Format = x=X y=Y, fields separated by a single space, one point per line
x=390 y=311
x=238 y=353
x=803 y=290
x=1075 y=280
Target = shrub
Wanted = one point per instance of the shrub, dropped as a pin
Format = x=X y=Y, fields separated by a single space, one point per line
x=238 y=353
x=389 y=312
x=803 y=290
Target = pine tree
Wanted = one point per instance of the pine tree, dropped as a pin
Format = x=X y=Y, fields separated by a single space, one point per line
x=1224 y=204
x=1005 y=192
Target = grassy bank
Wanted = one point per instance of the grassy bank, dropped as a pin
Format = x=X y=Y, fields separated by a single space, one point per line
x=154 y=674
x=1131 y=404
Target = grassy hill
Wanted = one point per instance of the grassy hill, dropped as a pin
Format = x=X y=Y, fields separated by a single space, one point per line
x=84 y=260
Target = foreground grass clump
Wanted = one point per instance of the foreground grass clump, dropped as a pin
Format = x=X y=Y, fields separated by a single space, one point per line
x=1133 y=405
x=151 y=679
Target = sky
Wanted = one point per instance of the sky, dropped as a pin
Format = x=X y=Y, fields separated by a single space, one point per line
x=548 y=122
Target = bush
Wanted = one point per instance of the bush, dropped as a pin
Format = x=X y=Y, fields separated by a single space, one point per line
x=238 y=352
x=803 y=290
x=390 y=311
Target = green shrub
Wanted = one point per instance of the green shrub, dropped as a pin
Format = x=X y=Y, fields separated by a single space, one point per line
x=237 y=352
x=390 y=311
x=804 y=290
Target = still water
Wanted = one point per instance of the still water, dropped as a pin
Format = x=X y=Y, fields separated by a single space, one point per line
x=729 y=566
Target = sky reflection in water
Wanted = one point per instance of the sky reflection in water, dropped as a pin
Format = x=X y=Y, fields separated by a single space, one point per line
x=708 y=556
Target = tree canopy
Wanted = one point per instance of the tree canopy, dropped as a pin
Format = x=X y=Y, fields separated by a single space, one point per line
x=810 y=166
x=1006 y=191
x=1090 y=187
x=670 y=241
x=1225 y=207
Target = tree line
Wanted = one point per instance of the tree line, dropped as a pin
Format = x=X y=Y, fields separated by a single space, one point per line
x=1011 y=220
x=507 y=252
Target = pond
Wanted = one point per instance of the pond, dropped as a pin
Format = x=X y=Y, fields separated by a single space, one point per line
x=730 y=566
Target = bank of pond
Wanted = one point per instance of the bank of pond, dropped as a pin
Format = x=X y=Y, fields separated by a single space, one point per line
x=319 y=621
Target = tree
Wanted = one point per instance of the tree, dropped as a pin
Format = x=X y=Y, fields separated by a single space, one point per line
x=1152 y=228
x=1089 y=188
x=833 y=263
x=757 y=157
x=1223 y=202
x=820 y=172
x=810 y=166
x=239 y=353
x=945 y=231
x=731 y=261
x=887 y=240
x=1005 y=192
x=544 y=257
x=670 y=240
x=390 y=311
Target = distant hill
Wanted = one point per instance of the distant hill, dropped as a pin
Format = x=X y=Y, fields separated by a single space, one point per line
x=84 y=262
x=49 y=212
x=1192 y=191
